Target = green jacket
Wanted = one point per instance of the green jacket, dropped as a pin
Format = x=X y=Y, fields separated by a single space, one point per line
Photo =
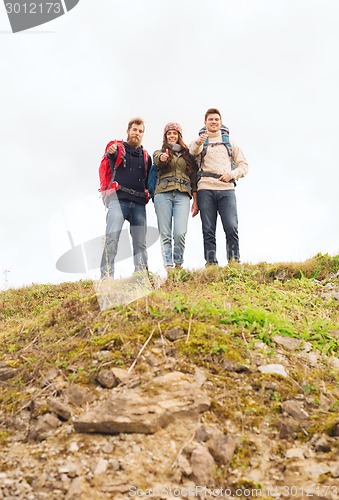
x=174 y=174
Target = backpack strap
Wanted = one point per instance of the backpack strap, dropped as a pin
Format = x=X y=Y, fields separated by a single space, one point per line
x=146 y=156
x=120 y=159
x=226 y=141
x=225 y=137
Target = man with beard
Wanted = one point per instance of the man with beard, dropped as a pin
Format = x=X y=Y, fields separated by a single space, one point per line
x=129 y=200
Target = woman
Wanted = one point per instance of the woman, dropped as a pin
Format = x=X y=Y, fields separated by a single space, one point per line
x=176 y=185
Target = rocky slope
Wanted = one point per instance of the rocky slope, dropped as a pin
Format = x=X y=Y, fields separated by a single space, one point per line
x=222 y=382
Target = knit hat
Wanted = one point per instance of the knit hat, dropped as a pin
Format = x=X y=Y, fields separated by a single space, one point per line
x=172 y=126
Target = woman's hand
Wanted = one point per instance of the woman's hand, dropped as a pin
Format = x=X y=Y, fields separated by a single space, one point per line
x=164 y=156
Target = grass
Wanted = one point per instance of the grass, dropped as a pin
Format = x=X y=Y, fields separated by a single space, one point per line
x=228 y=314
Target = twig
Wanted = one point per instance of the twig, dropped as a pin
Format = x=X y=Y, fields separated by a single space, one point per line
x=189 y=328
x=243 y=336
x=140 y=352
x=182 y=449
x=162 y=341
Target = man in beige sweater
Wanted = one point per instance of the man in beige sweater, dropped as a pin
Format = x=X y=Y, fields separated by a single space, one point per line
x=221 y=163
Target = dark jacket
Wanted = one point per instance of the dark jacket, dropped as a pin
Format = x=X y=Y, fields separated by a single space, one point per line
x=133 y=174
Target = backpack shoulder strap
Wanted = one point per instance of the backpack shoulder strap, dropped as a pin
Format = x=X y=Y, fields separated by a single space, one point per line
x=225 y=135
x=146 y=156
x=120 y=159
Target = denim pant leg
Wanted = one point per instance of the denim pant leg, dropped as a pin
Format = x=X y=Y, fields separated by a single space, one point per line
x=207 y=202
x=227 y=207
x=114 y=221
x=163 y=204
x=138 y=229
x=181 y=208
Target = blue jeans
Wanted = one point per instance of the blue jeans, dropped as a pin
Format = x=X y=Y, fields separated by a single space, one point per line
x=135 y=214
x=222 y=202
x=172 y=209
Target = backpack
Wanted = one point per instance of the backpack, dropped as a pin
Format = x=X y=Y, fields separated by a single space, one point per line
x=107 y=172
x=152 y=181
x=225 y=137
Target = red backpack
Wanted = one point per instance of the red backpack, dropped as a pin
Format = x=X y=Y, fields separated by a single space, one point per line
x=108 y=184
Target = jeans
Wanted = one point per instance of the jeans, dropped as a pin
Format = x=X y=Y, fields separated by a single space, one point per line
x=135 y=214
x=222 y=202
x=172 y=209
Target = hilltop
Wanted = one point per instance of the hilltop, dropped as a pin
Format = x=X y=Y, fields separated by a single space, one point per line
x=222 y=378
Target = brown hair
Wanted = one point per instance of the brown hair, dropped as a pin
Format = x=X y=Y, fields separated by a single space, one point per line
x=185 y=151
x=137 y=121
x=212 y=111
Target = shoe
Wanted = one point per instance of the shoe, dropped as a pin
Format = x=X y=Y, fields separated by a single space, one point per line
x=168 y=267
x=211 y=264
x=178 y=266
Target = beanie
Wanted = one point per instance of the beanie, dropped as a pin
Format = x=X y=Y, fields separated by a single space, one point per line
x=172 y=126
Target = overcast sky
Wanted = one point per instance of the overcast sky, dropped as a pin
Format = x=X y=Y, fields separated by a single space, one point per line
x=70 y=86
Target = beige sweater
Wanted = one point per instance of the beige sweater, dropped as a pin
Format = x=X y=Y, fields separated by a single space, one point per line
x=217 y=161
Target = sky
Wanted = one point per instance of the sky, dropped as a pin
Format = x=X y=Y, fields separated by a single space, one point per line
x=71 y=85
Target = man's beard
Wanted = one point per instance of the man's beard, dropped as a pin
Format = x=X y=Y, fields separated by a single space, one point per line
x=135 y=142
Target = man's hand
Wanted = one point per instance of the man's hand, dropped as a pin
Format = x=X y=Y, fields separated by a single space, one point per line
x=164 y=156
x=225 y=177
x=113 y=147
x=202 y=138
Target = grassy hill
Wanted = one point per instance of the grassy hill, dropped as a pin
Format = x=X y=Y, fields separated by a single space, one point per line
x=233 y=321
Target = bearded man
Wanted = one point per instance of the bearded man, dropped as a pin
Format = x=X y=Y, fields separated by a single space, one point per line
x=128 y=201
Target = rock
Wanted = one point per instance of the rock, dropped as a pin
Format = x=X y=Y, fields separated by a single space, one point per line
x=334 y=431
x=200 y=376
x=78 y=395
x=55 y=406
x=289 y=428
x=312 y=358
x=274 y=369
x=222 y=448
x=100 y=467
x=288 y=343
x=122 y=376
x=107 y=379
x=174 y=333
x=322 y=445
x=184 y=466
x=307 y=347
x=295 y=409
x=44 y=425
x=172 y=396
x=48 y=377
x=316 y=469
x=230 y=366
x=70 y=468
x=73 y=447
x=203 y=465
x=7 y=373
x=261 y=345
x=108 y=448
x=78 y=490
x=295 y=453
x=334 y=361
x=204 y=433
